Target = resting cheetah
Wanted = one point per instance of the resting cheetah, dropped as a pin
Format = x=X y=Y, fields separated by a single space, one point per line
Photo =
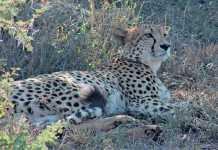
x=128 y=84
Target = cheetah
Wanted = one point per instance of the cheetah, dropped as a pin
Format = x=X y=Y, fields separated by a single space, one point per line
x=128 y=84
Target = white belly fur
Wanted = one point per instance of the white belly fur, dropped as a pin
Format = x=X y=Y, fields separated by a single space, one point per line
x=114 y=103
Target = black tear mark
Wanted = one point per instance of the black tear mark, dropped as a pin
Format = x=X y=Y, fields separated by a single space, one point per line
x=149 y=35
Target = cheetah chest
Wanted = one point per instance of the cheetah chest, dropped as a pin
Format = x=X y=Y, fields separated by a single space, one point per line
x=115 y=104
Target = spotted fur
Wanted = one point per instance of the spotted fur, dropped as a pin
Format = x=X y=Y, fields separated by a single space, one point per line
x=128 y=84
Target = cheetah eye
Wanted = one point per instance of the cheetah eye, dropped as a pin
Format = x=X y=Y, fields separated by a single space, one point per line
x=149 y=35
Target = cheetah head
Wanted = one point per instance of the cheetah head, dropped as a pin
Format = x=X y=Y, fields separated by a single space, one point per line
x=145 y=44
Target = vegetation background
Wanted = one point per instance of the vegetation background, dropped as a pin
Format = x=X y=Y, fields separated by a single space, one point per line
x=44 y=36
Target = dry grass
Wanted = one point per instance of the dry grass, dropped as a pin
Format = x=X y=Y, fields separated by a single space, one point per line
x=191 y=74
x=192 y=77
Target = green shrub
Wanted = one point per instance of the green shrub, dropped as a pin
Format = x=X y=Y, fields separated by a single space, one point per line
x=15 y=132
x=18 y=135
x=9 y=11
x=64 y=35
x=5 y=79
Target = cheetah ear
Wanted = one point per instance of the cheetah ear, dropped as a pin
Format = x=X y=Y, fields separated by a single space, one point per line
x=120 y=34
x=125 y=35
x=132 y=34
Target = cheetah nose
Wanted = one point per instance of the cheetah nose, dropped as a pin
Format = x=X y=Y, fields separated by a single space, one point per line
x=164 y=46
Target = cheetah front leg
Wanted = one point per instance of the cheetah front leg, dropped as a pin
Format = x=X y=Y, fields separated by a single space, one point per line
x=151 y=108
